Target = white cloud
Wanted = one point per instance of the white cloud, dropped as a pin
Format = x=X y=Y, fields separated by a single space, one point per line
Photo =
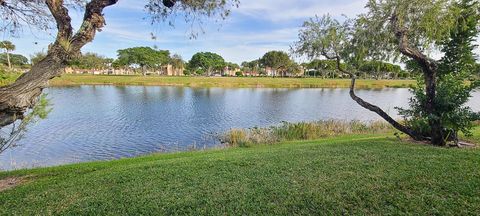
x=282 y=35
x=238 y=47
x=278 y=11
x=275 y=25
x=116 y=31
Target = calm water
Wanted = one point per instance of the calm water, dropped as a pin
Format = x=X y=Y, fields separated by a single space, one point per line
x=106 y=122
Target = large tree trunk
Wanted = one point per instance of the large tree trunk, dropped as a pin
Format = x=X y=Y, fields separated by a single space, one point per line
x=17 y=98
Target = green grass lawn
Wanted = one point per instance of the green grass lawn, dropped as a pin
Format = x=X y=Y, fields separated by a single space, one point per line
x=356 y=174
x=246 y=82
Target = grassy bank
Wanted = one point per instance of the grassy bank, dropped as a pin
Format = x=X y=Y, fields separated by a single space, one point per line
x=7 y=77
x=354 y=174
x=243 y=82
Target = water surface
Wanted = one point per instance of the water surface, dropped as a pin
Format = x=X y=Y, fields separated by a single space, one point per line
x=107 y=122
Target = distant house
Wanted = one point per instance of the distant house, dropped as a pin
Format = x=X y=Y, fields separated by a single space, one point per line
x=283 y=72
x=171 y=71
x=70 y=70
x=167 y=70
x=269 y=71
x=230 y=72
x=251 y=73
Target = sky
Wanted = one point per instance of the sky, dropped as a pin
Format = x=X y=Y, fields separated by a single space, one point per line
x=256 y=27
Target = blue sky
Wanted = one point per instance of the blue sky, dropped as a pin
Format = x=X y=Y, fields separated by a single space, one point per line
x=254 y=28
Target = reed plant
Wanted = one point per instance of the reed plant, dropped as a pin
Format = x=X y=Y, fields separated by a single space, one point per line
x=301 y=131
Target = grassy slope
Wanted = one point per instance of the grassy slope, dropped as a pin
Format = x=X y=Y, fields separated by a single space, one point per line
x=354 y=174
x=226 y=81
x=7 y=78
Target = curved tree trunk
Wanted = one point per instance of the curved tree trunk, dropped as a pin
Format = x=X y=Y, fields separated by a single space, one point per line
x=415 y=135
x=429 y=68
x=17 y=98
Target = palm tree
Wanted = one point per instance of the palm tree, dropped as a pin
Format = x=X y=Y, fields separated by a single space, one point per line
x=8 y=47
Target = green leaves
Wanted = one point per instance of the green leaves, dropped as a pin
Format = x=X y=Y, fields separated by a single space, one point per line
x=194 y=12
x=7 y=46
x=142 y=57
x=15 y=59
x=40 y=111
x=401 y=30
x=456 y=77
x=276 y=60
x=323 y=36
x=84 y=61
x=206 y=62
x=427 y=23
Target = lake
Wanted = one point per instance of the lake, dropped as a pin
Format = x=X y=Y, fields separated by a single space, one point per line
x=90 y=123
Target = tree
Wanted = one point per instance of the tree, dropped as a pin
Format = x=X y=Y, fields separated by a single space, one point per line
x=379 y=68
x=279 y=61
x=90 y=61
x=252 y=66
x=326 y=68
x=205 y=63
x=13 y=59
x=8 y=47
x=413 y=67
x=17 y=98
x=232 y=66
x=459 y=47
x=295 y=69
x=457 y=65
x=143 y=57
x=177 y=61
x=390 y=30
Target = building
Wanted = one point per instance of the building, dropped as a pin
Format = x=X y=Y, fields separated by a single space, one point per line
x=168 y=70
x=171 y=71
x=230 y=72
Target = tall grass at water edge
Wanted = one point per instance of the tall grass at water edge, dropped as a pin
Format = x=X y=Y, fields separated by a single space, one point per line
x=301 y=131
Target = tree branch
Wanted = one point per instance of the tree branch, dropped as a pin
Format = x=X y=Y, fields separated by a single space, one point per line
x=93 y=21
x=402 y=35
x=62 y=18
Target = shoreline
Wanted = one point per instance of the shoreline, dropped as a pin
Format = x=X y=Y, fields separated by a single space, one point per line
x=224 y=82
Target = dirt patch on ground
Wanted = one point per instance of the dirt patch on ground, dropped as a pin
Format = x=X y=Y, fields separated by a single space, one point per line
x=11 y=182
x=461 y=144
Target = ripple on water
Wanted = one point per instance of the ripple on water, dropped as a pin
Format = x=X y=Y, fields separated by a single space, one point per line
x=107 y=122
